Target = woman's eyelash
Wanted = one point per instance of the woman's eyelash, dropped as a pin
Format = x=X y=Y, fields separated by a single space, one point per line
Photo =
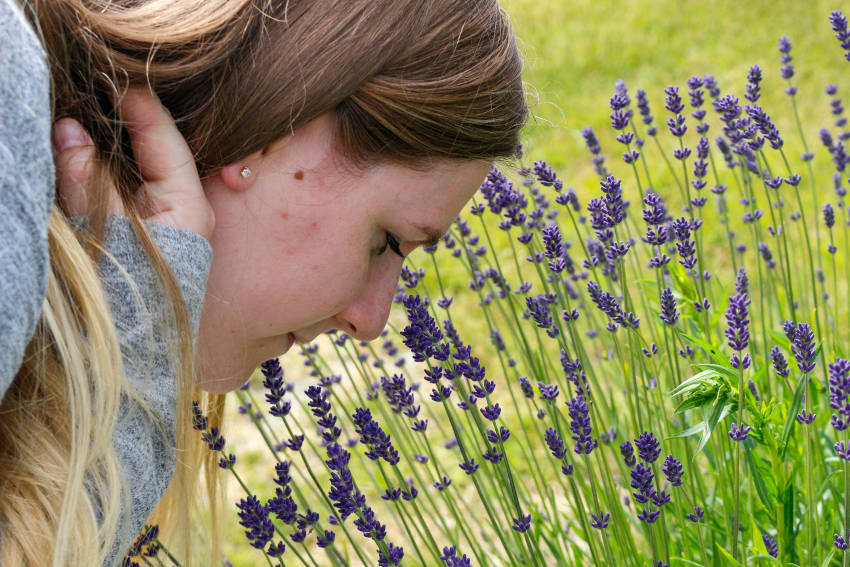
x=393 y=244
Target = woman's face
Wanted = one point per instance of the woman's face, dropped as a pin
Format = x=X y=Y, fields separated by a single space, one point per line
x=297 y=246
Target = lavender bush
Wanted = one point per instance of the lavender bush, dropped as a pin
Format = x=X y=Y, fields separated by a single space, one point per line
x=637 y=386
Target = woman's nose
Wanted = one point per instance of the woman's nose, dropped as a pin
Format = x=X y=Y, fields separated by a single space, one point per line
x=366 y=316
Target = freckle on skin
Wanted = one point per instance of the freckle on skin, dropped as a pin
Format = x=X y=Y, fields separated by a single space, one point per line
x=299 y=175
x=314 y=224
x=284 y=215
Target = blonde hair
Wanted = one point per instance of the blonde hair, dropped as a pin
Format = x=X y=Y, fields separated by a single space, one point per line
x=408 y=80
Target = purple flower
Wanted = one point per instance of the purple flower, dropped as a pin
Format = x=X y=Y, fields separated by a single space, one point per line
x=669 y=314
x=771 y=545
x=526 y=387
x=696 y=516
x=501 y=436
x=555 y=443
x=628 y=453
x=766 y=255
x=649 y=515
x=828 y=215
x=803 y=347
x=491 y=412
x=213 y=439
x=393 y=557
x=673 y=102
x=767 y=129
x=643 y=108
x=609 y=305
x=648 y=447
x=254 y=517
x=673 y=470
x=422 y=335
x=371 y=435
x=805 y=418
x=842 y=450
x=684 y=245
x=600 y=522
x=453 y=560
x=399 y=396
x=324 y=540
x=785 y=58
x=753 y=389
x=779 y=363
x=593 y=145
x=840 y=543
x=580 y=426
x=199 y=420
x=737 y=434
x=522 y=524
x=753 y=84
x=839 y=26
x=839 y=389
x=737 y=315
x=548 y=391
x=538 y=307
x=546 y=175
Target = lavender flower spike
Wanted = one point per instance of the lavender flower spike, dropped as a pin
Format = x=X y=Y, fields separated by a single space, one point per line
x=668 y=314
x=803 y=347
x=842 y=34
x=771 y=545
x=580 y=425
x=738 y=331
x=648 y=447
x=672 y=469
x=739 y=434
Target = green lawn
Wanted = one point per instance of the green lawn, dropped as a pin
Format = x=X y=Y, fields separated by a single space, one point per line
x=576 y=49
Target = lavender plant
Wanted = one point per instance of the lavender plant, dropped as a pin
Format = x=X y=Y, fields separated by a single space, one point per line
x=622 y=393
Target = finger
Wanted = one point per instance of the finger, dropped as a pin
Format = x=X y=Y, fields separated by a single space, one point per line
x=172 y=193
x=73 y=156
x=160 y=150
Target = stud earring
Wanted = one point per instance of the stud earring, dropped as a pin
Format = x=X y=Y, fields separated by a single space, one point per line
x=246 y=172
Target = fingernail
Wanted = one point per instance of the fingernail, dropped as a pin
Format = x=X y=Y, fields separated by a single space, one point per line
x=67 y=133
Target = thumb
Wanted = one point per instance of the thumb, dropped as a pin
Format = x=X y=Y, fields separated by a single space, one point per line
x=74 y=156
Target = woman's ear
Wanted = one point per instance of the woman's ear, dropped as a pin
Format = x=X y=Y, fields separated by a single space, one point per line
x=239 y=175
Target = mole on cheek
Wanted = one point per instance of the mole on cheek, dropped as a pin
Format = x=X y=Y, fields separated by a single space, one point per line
x=299 y=175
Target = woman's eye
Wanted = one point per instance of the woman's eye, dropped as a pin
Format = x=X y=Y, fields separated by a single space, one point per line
x=393 y=244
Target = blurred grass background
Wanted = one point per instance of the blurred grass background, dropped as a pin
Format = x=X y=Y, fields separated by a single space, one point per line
x=575 y=50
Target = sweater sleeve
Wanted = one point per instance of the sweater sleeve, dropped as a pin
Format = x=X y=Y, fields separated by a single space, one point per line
x=145 y=441
x=26 y=186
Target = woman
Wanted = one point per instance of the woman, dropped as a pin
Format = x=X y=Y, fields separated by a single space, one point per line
x=324 y=140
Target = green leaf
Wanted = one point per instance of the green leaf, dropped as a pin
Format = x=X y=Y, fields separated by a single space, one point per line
x=719 y=412
x=758 y=546
x=712 y=350
x=767 y=558
x=791 y=418
x=762 y=489
x=699 y=399
x=732 y=561
x=828 y=559
x=706 y=427
x=685 y=561
x=727 y=371
x=693 y=382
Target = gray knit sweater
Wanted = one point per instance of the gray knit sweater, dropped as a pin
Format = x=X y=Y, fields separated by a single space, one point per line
x=26 y=195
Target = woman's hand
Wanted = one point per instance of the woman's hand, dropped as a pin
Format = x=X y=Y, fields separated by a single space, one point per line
x=172 y=193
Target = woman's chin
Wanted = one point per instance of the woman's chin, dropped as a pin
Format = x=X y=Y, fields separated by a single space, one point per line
x=222 y=376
